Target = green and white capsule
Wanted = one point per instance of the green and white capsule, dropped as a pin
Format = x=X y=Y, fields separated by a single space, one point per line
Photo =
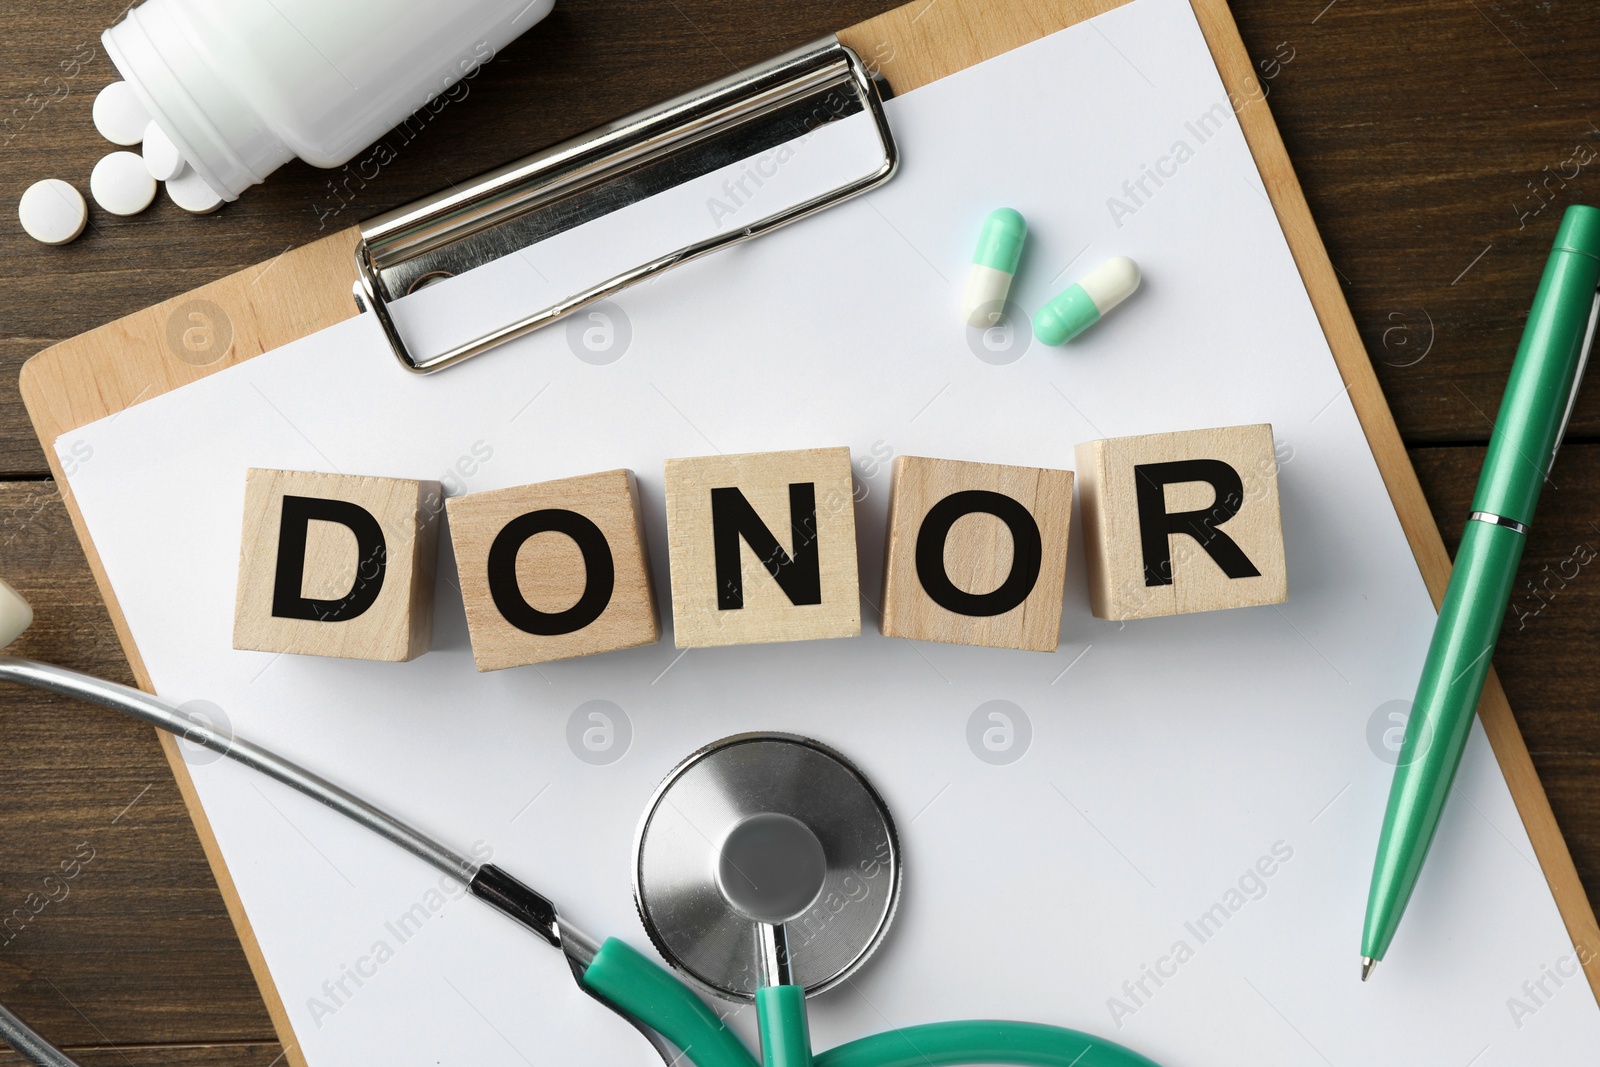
x=993 y=264
x=1083 y=303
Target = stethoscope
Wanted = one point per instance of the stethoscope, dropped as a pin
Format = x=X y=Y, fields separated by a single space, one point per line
x=765 y=867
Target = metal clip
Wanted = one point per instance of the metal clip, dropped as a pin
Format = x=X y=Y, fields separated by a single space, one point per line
x=1577 y=379
x=614 y=166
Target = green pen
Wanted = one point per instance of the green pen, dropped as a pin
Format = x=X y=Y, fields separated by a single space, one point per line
x=1533 y=416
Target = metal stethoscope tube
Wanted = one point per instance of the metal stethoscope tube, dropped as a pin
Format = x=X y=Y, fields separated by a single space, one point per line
x=665 y=1010
x=159 y=713
x=486 y=881
x=29 y=1045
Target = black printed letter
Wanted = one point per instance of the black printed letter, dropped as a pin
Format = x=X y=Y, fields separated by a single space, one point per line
x=371 y=553
x=1155 y=525
x=599 y=570
x=1027 y=553
x=732 y=517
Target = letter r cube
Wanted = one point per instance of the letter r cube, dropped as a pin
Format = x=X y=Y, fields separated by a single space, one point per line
x=1182 y=522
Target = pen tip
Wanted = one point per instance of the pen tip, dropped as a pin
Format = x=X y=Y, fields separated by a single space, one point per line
x=1368 y=965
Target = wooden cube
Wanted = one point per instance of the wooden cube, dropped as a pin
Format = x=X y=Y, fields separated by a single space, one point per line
x=763 y=548
x=1181 y=522
x=554 y=570
x=977 y=553
x=337 y=565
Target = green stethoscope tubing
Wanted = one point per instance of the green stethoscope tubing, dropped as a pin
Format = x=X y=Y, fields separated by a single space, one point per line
x=635 y=985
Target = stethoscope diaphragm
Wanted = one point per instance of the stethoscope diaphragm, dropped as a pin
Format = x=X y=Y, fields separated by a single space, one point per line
x=766 y=828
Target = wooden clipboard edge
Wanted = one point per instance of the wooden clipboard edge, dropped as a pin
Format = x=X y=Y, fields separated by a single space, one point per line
x=93 y=375
x=919 y=36
x=220 y=873
x=83 y=379
x=1416 y=518
x=915 y=33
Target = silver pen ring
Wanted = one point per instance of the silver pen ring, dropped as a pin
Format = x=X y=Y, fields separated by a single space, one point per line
x=1499 y=520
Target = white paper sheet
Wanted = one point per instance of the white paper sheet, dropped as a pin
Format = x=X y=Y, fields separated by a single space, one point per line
x=1165 y=758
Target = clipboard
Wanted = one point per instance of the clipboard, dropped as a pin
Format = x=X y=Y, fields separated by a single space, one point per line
x=188 y=337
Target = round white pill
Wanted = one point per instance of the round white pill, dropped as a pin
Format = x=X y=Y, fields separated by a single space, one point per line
x=15 y=614
x=118 y=115
x=120 y=184
x=52 y=211
x=190 y=192
x=161 y=157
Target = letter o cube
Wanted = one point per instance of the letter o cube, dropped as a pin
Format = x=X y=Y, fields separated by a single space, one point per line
x=977 y=553
x=554 y=570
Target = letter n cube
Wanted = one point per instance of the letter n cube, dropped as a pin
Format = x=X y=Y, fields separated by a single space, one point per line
x=763 y=548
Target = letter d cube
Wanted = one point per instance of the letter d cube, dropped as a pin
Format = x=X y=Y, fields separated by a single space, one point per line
x=337 y=565
x=1181 y=522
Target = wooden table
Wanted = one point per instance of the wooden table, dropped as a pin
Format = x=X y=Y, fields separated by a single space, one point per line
x=1438 y=143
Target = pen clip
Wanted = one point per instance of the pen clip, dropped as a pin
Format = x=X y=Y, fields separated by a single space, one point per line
x=1577 y=378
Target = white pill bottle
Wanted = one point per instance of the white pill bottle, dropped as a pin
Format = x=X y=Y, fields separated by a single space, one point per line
x=244 y=86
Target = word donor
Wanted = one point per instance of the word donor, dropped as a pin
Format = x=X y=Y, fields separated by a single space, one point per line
x=761 y=548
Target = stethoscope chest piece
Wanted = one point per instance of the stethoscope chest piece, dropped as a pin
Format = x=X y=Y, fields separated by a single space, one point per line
x=766 y=830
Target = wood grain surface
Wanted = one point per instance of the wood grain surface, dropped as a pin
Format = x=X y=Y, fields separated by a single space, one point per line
x=244 y=1054
x=1436 y=143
